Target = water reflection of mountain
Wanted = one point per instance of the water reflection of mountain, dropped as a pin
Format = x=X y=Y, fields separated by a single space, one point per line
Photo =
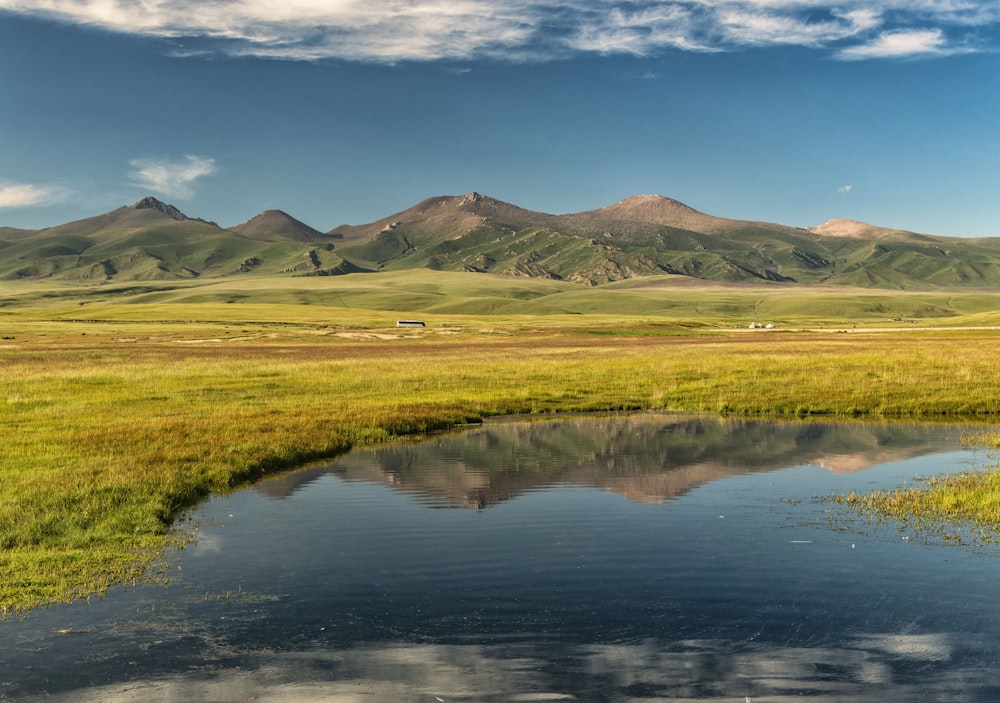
x=642 y=457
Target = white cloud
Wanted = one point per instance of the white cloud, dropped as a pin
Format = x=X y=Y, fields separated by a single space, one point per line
x=753 y=27
x=171 y=178
x=517 y=30
x=24 y=195
x=638 y=30
x=845 y=189
x=902 y=44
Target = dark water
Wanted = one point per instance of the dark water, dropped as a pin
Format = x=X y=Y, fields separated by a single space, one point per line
x=642 y=558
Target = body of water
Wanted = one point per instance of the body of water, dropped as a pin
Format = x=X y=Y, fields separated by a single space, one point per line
x=625 y=558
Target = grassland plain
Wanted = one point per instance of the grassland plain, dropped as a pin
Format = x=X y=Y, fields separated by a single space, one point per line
x=485 y=299
x=120 y=413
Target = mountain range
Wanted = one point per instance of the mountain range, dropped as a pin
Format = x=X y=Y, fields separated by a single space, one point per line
x=645 y=235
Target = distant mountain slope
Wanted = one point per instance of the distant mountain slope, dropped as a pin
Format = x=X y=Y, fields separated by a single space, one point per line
x=646 y=235
x=653 y=235
x=150 y=240
x=9 y=233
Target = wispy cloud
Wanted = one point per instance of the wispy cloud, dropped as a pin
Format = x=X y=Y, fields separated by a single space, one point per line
x=637 y=29
x=525 y=30
x=170 y=178
x=845 y=189
x=770 y=26
x=25 y=195
x=902 y=44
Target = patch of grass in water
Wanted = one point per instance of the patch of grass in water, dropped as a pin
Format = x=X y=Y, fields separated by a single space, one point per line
x=958 y=507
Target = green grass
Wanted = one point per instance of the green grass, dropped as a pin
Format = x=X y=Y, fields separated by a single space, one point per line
x=120 y=412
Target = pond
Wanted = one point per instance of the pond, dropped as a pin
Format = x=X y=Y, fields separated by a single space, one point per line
x=620 y=558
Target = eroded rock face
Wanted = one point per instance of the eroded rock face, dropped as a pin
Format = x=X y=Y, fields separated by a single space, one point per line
x=151 y=203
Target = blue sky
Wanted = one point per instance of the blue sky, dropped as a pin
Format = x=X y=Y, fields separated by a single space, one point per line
x=346 y=111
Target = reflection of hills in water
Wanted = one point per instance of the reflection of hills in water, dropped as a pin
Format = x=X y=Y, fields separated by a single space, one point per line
x=642 y=457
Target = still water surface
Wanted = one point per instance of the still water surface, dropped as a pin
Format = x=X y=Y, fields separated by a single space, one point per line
x=639 y=558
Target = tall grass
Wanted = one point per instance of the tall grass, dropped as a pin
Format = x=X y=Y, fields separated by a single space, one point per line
x=107 y=439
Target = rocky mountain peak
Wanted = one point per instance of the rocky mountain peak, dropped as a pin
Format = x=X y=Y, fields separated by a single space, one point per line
x=151 y=203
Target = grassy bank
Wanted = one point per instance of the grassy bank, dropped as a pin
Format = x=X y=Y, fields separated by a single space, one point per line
x=111 y=430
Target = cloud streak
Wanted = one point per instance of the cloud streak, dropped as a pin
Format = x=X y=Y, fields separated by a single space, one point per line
x=902 y=44
x=13 y=195
x=170 y=178
x=532 y=30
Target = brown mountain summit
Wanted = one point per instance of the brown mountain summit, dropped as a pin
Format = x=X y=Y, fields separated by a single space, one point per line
x=446 y=216
x=854 y=229
x=272 y=225
x=653 y=210
x=645 y=208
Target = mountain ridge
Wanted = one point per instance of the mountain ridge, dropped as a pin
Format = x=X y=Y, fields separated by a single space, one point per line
x=643 y=235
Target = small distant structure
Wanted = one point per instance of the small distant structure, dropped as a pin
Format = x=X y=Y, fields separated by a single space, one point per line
x=410 y=323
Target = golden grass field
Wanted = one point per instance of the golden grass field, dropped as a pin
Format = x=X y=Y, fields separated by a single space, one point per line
x=116 y=421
